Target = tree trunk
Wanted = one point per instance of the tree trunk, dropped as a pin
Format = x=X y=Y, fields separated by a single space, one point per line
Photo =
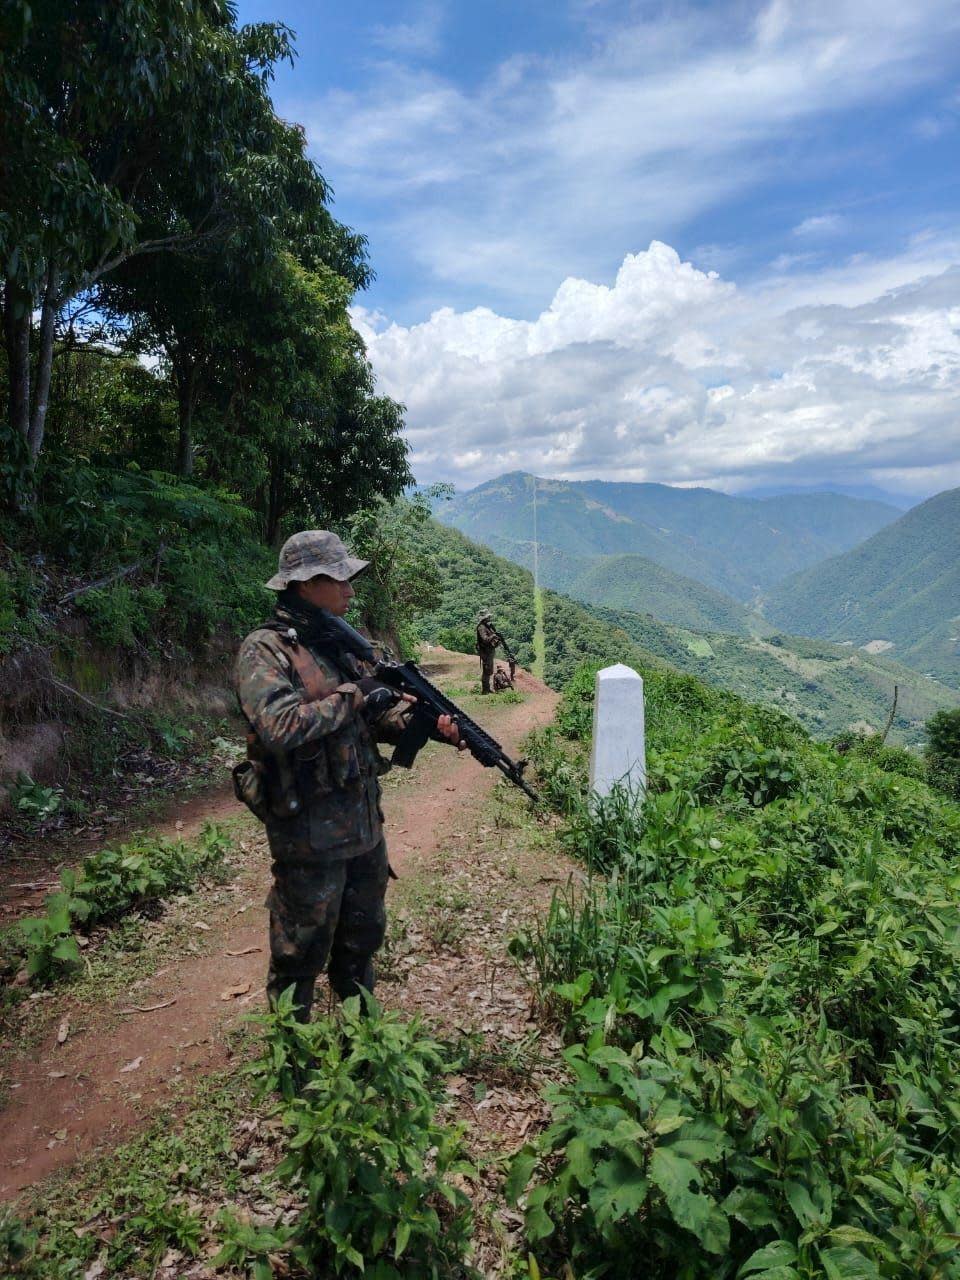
x=48 y=316
x=16 y=327
x=186 y=374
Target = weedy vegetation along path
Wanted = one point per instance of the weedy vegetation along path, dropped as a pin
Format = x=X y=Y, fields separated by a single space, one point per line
x=95 y=1060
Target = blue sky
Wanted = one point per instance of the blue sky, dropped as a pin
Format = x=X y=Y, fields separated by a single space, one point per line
x=794 y=162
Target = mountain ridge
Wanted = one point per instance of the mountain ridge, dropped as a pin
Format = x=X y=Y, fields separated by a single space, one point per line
x=738 y=546
x=871 y=594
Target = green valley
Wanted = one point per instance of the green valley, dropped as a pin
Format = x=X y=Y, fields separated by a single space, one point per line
x=828 y=688
x=898 y=592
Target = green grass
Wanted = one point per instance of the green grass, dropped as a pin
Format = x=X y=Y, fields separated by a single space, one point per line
x=127 y=1208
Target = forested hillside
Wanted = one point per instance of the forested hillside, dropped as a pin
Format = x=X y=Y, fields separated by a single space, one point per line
x=471 y=578
x=734 y=545
x=636 y=583
x=901 y=588
x=827 y=688
x=180 y=380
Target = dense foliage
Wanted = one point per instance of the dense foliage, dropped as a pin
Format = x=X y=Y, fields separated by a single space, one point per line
x=943 y=751
x=760 y=991
x=108 y=884
x=156 y=209
x=378 y=1173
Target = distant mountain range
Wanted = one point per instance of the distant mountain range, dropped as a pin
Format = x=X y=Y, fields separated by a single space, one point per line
x=898 y=592
x=868 y=492
x=739 y=546
x=827 y=687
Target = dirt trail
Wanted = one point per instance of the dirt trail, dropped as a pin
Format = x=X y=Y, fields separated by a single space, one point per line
x=122 y=1059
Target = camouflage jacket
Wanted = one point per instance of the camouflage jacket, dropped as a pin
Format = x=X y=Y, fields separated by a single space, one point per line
x=321 y=762
x=488 y=637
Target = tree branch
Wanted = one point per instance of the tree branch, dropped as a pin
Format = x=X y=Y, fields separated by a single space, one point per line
x=113 y=577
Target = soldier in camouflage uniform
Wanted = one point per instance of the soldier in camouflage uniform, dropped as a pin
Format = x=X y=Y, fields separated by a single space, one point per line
x=315 y=717
x=488 y=638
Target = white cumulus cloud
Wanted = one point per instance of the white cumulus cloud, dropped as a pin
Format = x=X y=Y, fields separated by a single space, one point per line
x=674 y=374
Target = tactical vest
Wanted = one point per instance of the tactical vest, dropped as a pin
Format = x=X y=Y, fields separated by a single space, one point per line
x=324 y=796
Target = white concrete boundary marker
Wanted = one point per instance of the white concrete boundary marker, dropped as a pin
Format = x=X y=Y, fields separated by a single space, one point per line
x=618 y=753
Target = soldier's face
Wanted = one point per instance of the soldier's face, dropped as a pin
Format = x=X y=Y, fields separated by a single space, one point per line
x=326 y=593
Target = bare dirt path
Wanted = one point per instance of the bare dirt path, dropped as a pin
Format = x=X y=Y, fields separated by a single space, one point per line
x=102 y=1067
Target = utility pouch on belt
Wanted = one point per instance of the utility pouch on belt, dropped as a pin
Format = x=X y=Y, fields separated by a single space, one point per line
x=249 y=786
x=266 y=785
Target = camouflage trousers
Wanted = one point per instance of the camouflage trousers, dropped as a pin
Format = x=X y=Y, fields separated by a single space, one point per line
x=486 y=669
x=328 y=915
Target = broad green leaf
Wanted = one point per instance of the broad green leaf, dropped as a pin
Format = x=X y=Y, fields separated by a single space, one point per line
x=67 y=950
x=521 y=1167
x=699 y=1139
x=679 y=1180
x=539 y=1224
x=844 y=1263
x=579 y=1156
x=799 y=1199
x=618 y=1189
x=779 y=1254
x=403 y=1238
x=751 y=1207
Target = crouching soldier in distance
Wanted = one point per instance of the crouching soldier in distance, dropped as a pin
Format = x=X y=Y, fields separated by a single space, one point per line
x=501 y=681
x=315 y=717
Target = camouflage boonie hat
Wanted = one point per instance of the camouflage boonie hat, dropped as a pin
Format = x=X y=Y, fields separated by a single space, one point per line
x=311 y=552
x=484 y=615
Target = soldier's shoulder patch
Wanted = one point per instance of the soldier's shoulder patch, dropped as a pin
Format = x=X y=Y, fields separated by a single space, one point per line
x=264 y=642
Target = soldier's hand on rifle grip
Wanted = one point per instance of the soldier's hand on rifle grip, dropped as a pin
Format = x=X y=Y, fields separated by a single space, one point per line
x=354 y=694
x=451 y=731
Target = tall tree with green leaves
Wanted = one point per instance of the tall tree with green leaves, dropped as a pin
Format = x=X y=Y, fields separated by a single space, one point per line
x=109 y=112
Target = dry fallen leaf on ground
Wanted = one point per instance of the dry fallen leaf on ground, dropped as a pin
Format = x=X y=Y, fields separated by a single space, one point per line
x=149 y=1008
x=134 y=1065
x=232 y=992
x=63 y=1031
x=247 y=951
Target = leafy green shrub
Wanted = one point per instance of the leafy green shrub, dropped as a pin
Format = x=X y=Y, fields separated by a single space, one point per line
x=375 y=1167
x=871 y=747
x=943 y=751
x=770 y=971
x=8 y=614
x=748 y=769
x=34 y=800
x=108 y=884
x=16 y=1244
x=113 y=614
x=574 y=716
x=459 y=639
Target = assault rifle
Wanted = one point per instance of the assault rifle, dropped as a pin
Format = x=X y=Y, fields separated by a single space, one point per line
x=406 y=677
x=510 y=657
